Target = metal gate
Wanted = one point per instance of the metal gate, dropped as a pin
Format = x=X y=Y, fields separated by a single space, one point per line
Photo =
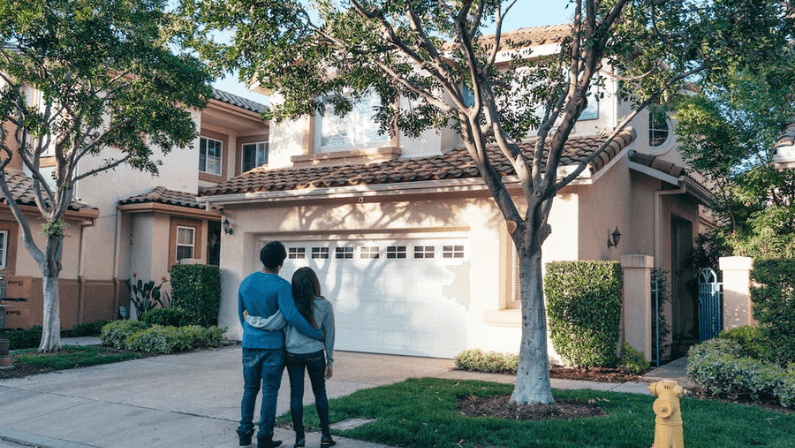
x=710 y=305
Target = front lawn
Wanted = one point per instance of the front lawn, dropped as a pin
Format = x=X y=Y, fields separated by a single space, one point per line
x=422 y=413
x=29 y=361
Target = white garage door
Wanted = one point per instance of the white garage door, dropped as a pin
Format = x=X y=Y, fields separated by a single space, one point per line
x=406 y=296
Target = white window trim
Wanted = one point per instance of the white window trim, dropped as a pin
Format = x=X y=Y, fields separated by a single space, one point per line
x=192 y=244
x=220 y=156
x=256 y=158
x=4 y=254
x=353 y=116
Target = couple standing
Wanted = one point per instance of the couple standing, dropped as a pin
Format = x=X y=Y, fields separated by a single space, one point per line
x=266 y=303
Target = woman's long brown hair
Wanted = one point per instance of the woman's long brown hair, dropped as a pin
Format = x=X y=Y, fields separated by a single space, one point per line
x=306 y=287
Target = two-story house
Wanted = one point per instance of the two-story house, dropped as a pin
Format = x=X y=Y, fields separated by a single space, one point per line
x=136 y=225
x=408 y=243
x=784 y=156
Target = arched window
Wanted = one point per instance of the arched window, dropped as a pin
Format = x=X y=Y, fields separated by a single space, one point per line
x=658 y=126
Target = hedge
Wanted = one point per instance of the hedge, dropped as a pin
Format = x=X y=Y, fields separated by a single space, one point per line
x=196 y=293
x=139 y=336
x=584 y=308
x=773 y=297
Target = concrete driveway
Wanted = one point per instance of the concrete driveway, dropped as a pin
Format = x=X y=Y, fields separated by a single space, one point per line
x=190 y=399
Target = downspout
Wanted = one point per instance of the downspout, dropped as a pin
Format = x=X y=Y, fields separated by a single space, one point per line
x=658 y=216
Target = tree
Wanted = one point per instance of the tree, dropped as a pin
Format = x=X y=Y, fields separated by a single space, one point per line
x=107 y=78
x=432 y=66
x=728 y=132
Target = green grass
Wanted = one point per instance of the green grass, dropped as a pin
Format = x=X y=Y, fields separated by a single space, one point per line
x=72 y=356
x=422 y=413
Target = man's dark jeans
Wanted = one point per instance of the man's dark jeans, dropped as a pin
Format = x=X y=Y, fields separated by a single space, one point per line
x=315 y=364
x=265 y=367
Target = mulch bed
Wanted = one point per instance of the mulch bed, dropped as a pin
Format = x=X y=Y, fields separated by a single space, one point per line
x=499 y=407
x=599 y=374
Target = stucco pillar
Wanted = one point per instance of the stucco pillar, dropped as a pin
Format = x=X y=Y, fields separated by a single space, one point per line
x=736 y=291
x=636 y=313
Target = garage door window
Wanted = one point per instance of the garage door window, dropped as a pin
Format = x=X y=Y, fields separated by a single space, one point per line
x=296 y=252
x=369 y=252
x=319 y=252
x=423 y=251
x=343 y=252
x=396 y=252
x=452 y=251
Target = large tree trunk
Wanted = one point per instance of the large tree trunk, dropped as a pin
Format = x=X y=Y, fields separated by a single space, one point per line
x=532 y=376
x=51 y=325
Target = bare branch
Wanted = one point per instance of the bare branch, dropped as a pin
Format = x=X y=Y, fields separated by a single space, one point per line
x=105 y=167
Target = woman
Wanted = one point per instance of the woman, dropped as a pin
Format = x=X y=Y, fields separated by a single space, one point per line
x=304 y=353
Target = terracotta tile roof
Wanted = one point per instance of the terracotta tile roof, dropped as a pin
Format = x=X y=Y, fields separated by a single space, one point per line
x=531 y=37
x=456 y=164
x=238 y=101
x=658 y=164
x=21 y=187
x=787 y=137
x=163 y=195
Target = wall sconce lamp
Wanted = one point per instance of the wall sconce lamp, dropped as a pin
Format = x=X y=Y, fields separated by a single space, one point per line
x=613 y=238
x=227 y=226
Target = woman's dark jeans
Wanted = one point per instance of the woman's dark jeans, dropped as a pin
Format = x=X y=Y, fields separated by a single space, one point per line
x=315 y=364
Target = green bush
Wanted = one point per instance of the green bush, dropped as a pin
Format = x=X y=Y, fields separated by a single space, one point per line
x=89 y=329
x=750 y=340
x=584 y=307
x=196 y=292
x=718 y=367
x=773 y=297
x=27 y=338
x=160 y=339
x=632 y=361
x=492 y=362
x=163 y=316
x=116 y=333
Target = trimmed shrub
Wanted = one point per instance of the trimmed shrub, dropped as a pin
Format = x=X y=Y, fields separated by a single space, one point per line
x=116 y=333
x=163 y=316
x=632 y=361
x=748 y=338
x=27 y=338
x=773 y=297
x=160 y=339
x=492 y=362
x=584 y=308
x=196 y=293
x=90 y=329
x=718 y=368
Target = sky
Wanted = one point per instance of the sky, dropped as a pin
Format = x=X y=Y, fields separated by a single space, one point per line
x=524 y=14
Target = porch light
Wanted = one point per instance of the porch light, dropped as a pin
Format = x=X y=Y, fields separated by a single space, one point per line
x=227 y=226
x=613 y=239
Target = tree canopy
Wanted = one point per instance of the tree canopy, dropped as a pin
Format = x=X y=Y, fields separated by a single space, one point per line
x=88 y=78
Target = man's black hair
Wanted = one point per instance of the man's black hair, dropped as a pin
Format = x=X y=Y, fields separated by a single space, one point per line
x=273 y=255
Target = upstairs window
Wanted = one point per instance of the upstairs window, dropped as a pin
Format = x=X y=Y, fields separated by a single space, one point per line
x=254 y=155
x=658 y=126
x=210 y=156
x=357 y=129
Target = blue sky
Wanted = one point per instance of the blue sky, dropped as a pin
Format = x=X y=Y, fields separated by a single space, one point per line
x=526 y=13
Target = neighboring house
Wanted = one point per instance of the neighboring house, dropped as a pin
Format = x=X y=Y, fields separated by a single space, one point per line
x=410 y=247
x=142 y=225
x=784 y=156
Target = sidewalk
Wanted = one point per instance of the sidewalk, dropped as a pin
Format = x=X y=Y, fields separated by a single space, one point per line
x=191 y=399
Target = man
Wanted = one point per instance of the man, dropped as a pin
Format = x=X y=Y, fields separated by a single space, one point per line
x=262 y=294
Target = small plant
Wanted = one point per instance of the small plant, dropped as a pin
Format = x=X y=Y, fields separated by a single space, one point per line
x=116 y=333
x=27 y=338
x=491 y=362
x=748 y=338
x=163 y=316
x=146 y=296
x=632 y=361
x=160 y=339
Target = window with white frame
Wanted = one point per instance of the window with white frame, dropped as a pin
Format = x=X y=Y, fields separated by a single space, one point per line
x=343 y=252
x=357 y=129
x=658 y=126
x=186 y=241
x=319 y=252
x=210 y=156
x=3 y=247
x=423 y=251
x=254 y=155
x=296 y=252
x=369 y=252
x=396 y=252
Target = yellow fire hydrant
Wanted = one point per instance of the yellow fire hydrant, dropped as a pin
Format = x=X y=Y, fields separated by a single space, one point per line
x=668 y=428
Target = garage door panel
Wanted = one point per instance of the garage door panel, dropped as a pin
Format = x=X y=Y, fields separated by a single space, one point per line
x=389 y=304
